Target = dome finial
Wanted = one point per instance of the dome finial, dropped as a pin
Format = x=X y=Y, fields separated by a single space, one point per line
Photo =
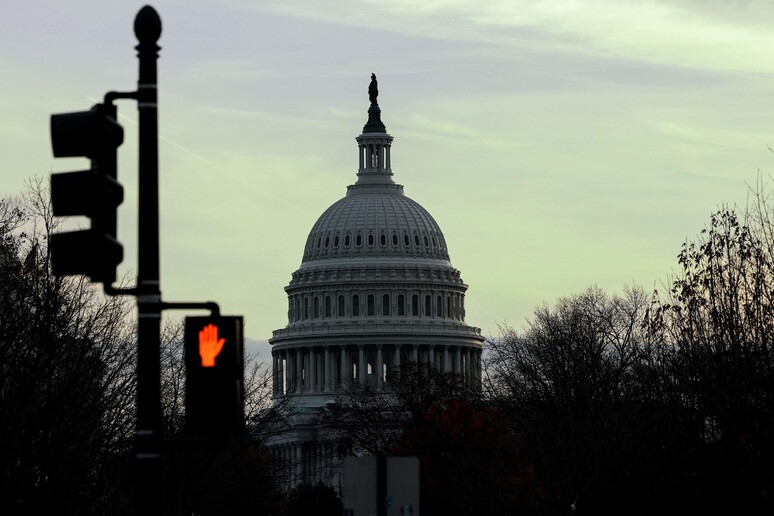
x=374 y=124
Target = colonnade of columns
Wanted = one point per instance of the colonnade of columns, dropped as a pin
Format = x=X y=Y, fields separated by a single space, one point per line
x=324 y=369
x=306 y=462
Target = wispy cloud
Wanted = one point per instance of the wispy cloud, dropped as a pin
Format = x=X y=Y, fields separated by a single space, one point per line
x=708 y=35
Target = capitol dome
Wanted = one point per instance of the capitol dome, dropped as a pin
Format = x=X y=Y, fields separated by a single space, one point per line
x=375 y=294
x=375 y=221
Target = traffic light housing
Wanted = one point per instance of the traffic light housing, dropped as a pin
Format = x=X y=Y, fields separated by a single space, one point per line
x=214 y=389
x=95 y=193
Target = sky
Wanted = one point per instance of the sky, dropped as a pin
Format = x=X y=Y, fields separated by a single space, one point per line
x=558 y=144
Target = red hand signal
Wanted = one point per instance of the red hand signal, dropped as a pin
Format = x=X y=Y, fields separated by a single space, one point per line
x=209 y=345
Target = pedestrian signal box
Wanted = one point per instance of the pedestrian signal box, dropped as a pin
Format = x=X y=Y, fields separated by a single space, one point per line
x=214 y=363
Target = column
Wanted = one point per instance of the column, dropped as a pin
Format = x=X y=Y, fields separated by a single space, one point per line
x=344 y=367
x=379 y=365
x=299 y=380
x=288 y=373
x=415 y=354
x=293 y=465
x=312 y=371
x=290 y=467
x=468 y=366
x=396 y=360
x=361 y=365
x=280 y=373
x=299 y=463
x=286 y=465
x=445 y=366
x=274 y=373
x=319 y=461
x=472 y=365
x=431 y=357
x=311 y=476
x=477 y=369
x=458 y=360
x=327 y=367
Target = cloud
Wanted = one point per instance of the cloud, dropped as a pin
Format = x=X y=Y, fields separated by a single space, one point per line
x=726 y=36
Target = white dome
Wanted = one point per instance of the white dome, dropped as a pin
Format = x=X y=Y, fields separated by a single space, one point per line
x=375 y=220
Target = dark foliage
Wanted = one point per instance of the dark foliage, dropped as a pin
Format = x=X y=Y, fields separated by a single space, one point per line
x=308 y=499
x=716 y=324
x=214 y=479
x=66 y=380
x=67 y=394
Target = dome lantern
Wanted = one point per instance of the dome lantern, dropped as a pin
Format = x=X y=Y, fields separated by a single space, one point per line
x=374 y=145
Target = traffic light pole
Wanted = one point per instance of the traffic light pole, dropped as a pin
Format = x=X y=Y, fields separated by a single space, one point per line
x=149 y=438
x=96 y=193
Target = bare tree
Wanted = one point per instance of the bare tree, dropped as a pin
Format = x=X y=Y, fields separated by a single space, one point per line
x=574 y=387
x=66 y=382
x=716 y=322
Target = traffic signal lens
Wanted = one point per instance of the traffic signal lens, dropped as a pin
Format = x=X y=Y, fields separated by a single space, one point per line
x=209 y=345
x=214 y=385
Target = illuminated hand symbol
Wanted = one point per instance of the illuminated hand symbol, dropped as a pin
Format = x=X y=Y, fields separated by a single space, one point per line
x=209 y=345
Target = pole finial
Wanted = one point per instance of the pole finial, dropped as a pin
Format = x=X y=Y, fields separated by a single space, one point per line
x=147 y=25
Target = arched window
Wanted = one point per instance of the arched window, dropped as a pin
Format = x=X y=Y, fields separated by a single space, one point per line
x=336 y=241
x=340 y=311
x=428 y=311
x=370 y=240
x=327 y=241
x=415 y=305
x=370 y=304
x=316 y=304
x=386 y=304
x=448 y=307
x=383 y=239
x=416 y=240
x=359 y=240
x=319 y=242
x=346 y=240
x=327 y=306
x=298 y=308
x=306 y=308
x=438 y=307
x=401 y=305
x=406 y=239
x=427 y=242
x=355 y=306
x=394 y=239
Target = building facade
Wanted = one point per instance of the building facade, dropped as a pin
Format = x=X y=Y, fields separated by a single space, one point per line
x=375 y=292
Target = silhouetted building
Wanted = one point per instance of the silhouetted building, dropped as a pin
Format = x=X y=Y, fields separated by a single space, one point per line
x=375 y=291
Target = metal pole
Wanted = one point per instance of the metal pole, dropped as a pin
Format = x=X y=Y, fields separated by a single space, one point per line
x=149 y=438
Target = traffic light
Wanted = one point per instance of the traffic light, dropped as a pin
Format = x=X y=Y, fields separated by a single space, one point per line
x=95 y=193
x=214 y=388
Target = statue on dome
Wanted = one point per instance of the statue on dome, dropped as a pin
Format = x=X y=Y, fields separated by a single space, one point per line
x=373 y=89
